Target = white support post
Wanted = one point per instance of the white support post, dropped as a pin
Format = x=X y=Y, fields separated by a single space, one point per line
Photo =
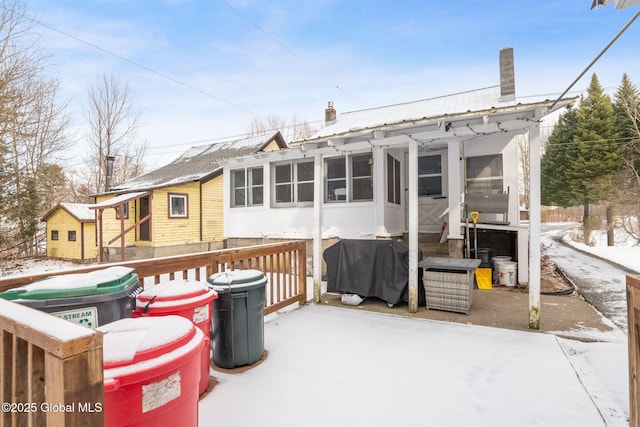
x=379 y=189
x=318 y=197
x=413 y=225
x=454 y=189
x=534 y=226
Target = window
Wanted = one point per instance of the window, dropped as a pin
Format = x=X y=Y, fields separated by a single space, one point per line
x=362 y=180
x=54 y=235
x=178 y=206
x=126 y=211
x=294 y=183
x=393 y=180
x=352 y=174
x=336 y=180
x=430 y=175
x=484 y=174
x=71 y=235
x=247 y=188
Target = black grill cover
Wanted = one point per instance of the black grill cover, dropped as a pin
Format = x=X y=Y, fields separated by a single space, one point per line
x=371 y=268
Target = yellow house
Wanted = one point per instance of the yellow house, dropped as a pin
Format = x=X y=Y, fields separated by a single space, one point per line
x=175 y=209
x=71 y=232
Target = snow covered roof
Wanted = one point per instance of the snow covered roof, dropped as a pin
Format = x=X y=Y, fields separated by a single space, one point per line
x=118 y=200
x=199 y=163
x=463 y=102
x=80 y=211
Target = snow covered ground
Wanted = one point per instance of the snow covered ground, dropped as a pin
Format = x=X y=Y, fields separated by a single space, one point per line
x=348 y=367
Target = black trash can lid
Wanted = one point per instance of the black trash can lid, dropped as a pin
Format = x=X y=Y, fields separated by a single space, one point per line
x=236 y=281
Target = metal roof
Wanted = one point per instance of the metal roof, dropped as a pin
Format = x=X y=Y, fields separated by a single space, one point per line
x=198 y=163
x=80 y=211
x=463 y=102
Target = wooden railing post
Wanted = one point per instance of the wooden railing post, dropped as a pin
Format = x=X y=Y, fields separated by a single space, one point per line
x=633 y=331
x=51 y=370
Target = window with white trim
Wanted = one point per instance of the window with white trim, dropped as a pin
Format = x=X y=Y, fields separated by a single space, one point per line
x=484 y=174
x=293 y=183
x=349 y=178
x=178 y=206
x=247 y=187
x=430 y=175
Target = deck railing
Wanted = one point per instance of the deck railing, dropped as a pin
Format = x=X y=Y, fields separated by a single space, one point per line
x=633 y=314
x=284 y=264
x=50 y=369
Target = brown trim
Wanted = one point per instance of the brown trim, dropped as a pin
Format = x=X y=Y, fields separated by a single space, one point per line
x=82 y=241
x=186 y=205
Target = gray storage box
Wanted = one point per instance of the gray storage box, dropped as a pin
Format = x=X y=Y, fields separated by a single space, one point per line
x=448 y=283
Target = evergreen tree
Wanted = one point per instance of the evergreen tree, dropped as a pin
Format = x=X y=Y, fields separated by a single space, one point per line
x=555 y=160
x=626 y=196
x=597 y=157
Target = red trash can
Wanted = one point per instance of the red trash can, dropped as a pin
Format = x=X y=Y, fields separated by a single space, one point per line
x=186 y=298
x=151 y=371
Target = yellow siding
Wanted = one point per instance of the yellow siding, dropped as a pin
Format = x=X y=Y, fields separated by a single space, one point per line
x=212 y=210
x=111 y=225
x=172 y=231
x=273 y=146
x=62 y=222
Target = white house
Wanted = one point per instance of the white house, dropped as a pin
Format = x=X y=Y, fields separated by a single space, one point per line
x=411 y=169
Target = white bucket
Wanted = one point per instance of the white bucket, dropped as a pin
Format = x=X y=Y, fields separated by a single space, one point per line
x=497 y=260
x=507 y=273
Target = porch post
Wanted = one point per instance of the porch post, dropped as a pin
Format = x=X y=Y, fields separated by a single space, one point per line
x=413 y=225
x=318 y=194
x=534 y=227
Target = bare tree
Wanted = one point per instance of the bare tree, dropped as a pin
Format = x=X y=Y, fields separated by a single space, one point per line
x=294 y=129
x=113 y=122
x=32 y=125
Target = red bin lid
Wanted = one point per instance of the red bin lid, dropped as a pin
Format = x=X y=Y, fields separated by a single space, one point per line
x=175 y=294
x=134 y=340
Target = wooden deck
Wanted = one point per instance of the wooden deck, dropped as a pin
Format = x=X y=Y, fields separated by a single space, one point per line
x=51 y=370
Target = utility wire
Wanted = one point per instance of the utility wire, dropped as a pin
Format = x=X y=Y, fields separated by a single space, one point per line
x=285 y=47
x=151 y=70
x=613 y=40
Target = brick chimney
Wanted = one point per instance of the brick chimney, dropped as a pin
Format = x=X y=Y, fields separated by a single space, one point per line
x=329 y=114
x=507 y=75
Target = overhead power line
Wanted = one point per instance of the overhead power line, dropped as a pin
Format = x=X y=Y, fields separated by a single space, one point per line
x=285 y=47
x=151 y=70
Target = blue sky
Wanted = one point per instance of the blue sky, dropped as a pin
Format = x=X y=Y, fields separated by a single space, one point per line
x=202 y=70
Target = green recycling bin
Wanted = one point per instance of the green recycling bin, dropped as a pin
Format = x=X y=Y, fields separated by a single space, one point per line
x=238 y=317
x=90 y=299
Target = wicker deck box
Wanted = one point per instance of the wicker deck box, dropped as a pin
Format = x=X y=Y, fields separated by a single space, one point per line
x=448 y=283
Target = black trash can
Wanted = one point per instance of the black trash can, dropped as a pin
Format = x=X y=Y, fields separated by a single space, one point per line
x=238 y=317
x=90 y=299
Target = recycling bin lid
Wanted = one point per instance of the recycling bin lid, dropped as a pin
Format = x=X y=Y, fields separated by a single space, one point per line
x=175 y=293
x=133 y=340
x=105 y=281
x=236 y=281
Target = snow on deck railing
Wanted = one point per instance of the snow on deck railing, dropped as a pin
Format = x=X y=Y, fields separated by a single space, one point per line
x=284 y=265
x=50 y=369
x=633 y=314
